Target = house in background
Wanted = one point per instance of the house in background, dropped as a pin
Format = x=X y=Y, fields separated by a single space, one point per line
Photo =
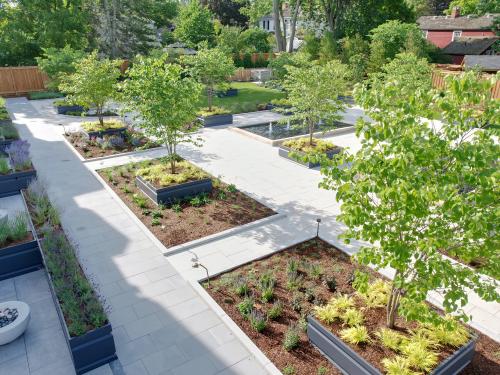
x=442 y=30
x=486 y=63
x=470 y=45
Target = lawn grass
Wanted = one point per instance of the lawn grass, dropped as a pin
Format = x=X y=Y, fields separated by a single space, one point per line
x=250 y=95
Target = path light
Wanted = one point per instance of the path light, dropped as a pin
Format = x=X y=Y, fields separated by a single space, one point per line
x=197 y=264
x=318 y=220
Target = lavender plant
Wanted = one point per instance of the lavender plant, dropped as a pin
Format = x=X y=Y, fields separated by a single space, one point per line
x=19 y=155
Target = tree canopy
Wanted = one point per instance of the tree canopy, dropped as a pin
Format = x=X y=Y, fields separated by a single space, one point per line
x=195 y=24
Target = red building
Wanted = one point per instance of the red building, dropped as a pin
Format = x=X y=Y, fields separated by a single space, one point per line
x=442 y=30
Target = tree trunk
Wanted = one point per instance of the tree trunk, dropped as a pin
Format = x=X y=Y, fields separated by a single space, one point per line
x=209 y=97
x=293 y=25
x=311 y=132
x=99 y=111
x=280 y=43
x=392 y=306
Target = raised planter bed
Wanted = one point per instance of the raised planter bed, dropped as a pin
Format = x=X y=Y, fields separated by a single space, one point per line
x=21 y=258
x=227 y=93
x=284 y=152
x=350 y=362
x=217 y=120
x=174 y=193
x=63 y=109
x=14 y=182
x=102 y=133
x=5 y=143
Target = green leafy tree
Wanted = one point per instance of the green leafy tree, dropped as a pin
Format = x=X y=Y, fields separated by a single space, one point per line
x=211 y=67
x=477 y=7
x=313 y=94
x=255 y=9
x=195 y=24
x=93 y=83
x=165 y=100
x=228 y=39
x=254 y=40
x=57 y=63
x=419 y=188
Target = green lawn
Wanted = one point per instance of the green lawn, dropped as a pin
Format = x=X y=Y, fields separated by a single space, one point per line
x=249 y=97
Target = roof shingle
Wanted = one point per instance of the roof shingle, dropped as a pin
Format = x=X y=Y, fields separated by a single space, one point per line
x=459 y=23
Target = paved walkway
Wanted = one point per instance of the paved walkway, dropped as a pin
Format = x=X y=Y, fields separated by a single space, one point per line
x=155 y=313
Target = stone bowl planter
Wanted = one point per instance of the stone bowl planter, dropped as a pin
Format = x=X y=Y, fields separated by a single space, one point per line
x=12 y=331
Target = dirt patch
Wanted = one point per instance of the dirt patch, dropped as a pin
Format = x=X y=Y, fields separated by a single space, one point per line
x=223 y=209
x=313 y=290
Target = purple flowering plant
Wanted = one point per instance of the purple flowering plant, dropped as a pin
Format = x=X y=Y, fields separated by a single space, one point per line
x=19 y=155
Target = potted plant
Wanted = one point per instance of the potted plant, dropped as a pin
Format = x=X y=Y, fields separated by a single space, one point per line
x=211 y=67
x=16 y=171
x=300 y=150
x=313 y=99
x=165 y=101
x=93 y=84
x=415 y=192
x=19 y=251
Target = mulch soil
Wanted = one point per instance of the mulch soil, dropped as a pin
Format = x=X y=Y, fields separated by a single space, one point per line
x=306 y=360
x=191 y=223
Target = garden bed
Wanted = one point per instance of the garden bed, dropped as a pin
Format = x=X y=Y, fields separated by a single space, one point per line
x=224 y=208
x=95 y=147
x=8 y=134
x=86 y=328
x=318 y=263
x=94 y=129
x=297 y=150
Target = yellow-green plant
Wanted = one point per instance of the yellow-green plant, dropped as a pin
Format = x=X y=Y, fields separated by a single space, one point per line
x=352 y=317
x=355 y=335
x=303 y=145
x=419 y=355
x=94 y=126
x=342 y=302
x=397 y=366
x=161 y=173
x=449 y=332
x=390 y=338
x=327 y=314
x=377 y=294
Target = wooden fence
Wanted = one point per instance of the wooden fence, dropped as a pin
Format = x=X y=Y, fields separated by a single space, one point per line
x=439 y=81
x=21 y=80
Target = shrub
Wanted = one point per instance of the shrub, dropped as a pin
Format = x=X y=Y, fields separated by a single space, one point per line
x=8 y=131
x=4 y=166
x=449 y=332
x=302 y=145
x=95 y=126
x=18 y=227
x=160 y=174
x=289 y=370
x=231 y=188
x=245 y=307
x=44 y=95
x=257 y=321
x=275 y=311
x=330 y=282
x=267 y=282
x=342 y=302
x=204 y=112
x=355 y=335
x=419 y=356
x=140 y=201
x=291 y=339
x=57 y=63
x=241 y=286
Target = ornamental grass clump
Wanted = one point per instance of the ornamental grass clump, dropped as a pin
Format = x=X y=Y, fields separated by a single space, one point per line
x=303 y=145
x=13 y=229
x=8 y=132
x=355 y=335
x=291 y=339
x=257 y=320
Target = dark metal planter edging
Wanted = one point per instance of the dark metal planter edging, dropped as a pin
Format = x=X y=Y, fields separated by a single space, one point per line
x=63 y=109
x=90 y=350
x=350 y=362
x=217 y=120
x=6 y=143
x=14 y=182
x=284 y=152
x=6 y=122
x=227 y=93
x=171 y=194
x=21 y=258
x=102 y=133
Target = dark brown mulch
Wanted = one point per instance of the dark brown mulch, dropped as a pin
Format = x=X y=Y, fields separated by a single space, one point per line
x=175 y=228
x=306 y=359
x=90 y=149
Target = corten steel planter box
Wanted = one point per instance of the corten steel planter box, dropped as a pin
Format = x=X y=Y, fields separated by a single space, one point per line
x=14 y=182
x=171 y=194
x=285 y=153
x=62 y=109
x=21 y=258
x=216 y=120
x=90 y=350
x=350 y=362
x=102 y=133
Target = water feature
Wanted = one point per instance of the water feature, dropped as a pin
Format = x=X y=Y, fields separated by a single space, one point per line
x=274 y=131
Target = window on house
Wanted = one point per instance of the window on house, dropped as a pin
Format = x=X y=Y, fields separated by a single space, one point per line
x=457 y=34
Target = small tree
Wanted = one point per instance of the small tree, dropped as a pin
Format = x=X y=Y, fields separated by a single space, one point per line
x=420 y=188
x=57 y=63
x=165 y=100
x=195 y=24
x=211 y=67
x=313 y=93
x=94 y=82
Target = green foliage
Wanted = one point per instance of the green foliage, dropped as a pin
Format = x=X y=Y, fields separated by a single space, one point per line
x=257 y=321
x=289 y=370
x=4 y=166
x=8 y=132
x=390 y=338
x=376 y=294
x=409 y=189
x=267 y=282
x=352 y=317
x=327 y=314
x=419 y=356
x=211 y=67
x=57 y=63
x=291 y=340
x=275 y=311
x=159 y=173
x=322 y=370
x=355 y=335
x=205 y=112
x=231 y=188
x=13 y=229
x=312 y=45
x=93 y=83
x=140 y=200
x=397 y=365
x=245 y=307
x=328 y=48
x=95 y=126
x=228 y=39
x=447 y=332
x=319 y=146
x=241 y=287
x=194 y=24
x=165 y=101
x=44 y=95
x=313 y=94
x=253 y=40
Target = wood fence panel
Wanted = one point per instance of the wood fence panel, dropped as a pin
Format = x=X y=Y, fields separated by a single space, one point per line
x=495 y=93
x=438 y=82
x=21 y=80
